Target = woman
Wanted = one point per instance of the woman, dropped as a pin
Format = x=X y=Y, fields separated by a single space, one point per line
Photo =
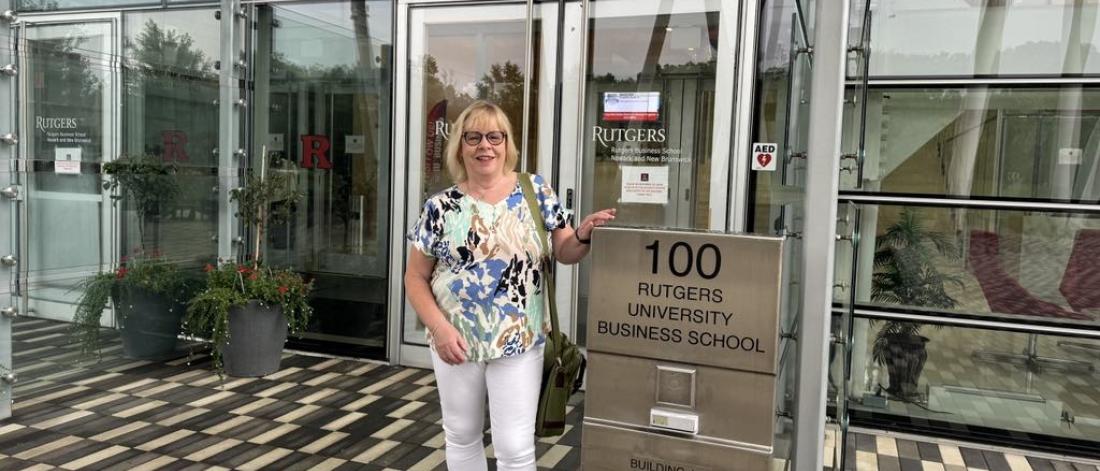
x=475 y=280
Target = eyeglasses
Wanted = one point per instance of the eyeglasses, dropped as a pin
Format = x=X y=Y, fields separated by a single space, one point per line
x=473 y=138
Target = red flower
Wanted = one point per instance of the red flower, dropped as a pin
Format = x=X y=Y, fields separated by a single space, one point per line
x=208 y=268
x=243 y=269
x=121 y=273
x=283 y=289
x=253 y=276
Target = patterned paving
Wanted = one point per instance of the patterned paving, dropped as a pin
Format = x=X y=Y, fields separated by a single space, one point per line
x=873 y=452
x=315 y=413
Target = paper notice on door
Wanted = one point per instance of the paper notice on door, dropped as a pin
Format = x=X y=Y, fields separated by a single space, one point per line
x=1069 y=156
x=646 y=185
x=276 y=142
x=354 y=144
x=67 y=160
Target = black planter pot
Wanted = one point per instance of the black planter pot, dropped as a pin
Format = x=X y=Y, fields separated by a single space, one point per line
x=256 y=338
x=905 y=357
x=149 y=323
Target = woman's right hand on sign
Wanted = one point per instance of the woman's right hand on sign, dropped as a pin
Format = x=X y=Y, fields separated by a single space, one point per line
x=449 y=344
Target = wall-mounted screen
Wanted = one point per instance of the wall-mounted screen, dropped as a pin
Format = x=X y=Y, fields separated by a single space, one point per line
x=631 y=106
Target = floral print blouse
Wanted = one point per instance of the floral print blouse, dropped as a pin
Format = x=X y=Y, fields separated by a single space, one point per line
x=488 y=276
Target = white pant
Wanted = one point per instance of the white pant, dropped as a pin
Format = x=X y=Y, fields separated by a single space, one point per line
x=513 y=387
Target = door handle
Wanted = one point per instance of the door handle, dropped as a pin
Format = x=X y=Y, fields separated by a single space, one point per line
x=11 y=192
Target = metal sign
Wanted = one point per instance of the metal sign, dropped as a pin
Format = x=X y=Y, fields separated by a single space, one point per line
x=607 y=448
x=697 y=298
x=724 y=406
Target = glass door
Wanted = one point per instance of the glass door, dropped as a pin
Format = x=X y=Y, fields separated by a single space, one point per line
x=454 y=56
x=656 y=116
x=321 y=112
x=68 y=116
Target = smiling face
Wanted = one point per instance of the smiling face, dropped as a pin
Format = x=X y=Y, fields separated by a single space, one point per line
x=472 y=155
x=482 y=158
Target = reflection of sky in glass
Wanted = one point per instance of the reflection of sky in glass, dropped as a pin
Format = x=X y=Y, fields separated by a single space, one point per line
x=323 y=35
x=620 y=45
x=1027 y=37
x=464 y=52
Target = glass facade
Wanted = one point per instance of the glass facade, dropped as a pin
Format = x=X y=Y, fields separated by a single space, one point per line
x=981 y=141
x=969 y=168
x=168 y=115
x=1028 y=38
x=965 y=279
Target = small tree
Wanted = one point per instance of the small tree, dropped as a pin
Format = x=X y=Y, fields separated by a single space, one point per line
x=266 y=200
x=263 y=200
x=148 y=183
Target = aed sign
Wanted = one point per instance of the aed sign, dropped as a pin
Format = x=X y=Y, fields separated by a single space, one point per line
x=764 y=156
x=691 y=297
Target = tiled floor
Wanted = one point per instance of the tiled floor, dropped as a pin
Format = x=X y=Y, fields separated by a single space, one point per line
x=878 y=452
x=315 y=413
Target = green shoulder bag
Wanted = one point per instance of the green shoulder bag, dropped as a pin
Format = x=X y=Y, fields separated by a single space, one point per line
x=563 y=363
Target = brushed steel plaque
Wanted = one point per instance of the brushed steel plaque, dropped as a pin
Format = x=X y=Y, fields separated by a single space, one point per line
x=607 y=448
x=690 y=297
x=732 y=405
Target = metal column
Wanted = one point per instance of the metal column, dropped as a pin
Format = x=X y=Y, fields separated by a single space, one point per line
x=230 y=153
x=744 y=106
x=8 y=178
x=819 y=236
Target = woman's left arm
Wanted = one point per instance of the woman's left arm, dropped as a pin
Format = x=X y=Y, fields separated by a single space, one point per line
x=571 y=245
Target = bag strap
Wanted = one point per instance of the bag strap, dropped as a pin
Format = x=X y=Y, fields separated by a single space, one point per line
x=548 y=259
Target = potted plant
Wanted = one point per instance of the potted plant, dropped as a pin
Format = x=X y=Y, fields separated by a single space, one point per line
x=247 y=309
x=905 y=273
x=148 y=290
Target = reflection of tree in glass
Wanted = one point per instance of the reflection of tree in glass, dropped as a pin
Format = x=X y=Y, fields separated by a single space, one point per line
x=67 y=84
x=35 y=5
x=170 y=84
x=439 y=86
x=503 y=85
x=356 y=90
x=160 y=52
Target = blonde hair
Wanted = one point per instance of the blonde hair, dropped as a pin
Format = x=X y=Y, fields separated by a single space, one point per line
x=478 y=112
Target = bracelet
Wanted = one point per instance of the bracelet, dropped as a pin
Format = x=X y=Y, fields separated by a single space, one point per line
x=576 y=235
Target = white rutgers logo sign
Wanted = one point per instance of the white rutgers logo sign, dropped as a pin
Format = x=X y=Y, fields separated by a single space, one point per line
x=609 y=136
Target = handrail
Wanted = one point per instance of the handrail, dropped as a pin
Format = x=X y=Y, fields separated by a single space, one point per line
x=988 y=321
x=860 y=197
